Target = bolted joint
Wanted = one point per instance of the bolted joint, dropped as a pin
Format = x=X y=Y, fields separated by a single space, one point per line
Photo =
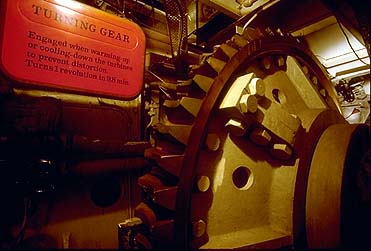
x=198 y=228
x=305 y=70
x=248 y=103
x=236 y=127
x=323 y=92
x=212 y=142
x=260 y=136
x=281 y=62
x=257 y=87
x=203 y=183
x=281 y=151
x=314 y=80
x=266 y=63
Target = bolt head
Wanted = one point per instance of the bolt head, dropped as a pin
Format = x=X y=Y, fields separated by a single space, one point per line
x=247 y=3
x=212 y=142
x=314 y=80
x=260 y=137
x=198 y=228
x=248 y=103
x=267 y=63
x=281 y=61
x=305 y=69
x=236 y=127
x=257 y=87
x=281 y=151
x=203 y=183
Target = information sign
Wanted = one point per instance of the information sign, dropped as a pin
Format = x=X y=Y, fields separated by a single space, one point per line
x=68 y=45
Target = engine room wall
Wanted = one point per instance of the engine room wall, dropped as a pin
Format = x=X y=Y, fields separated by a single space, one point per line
x=96 y=184
x=70 y=218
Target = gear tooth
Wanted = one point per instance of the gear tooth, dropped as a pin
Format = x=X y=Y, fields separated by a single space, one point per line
x=244 y=111
x=203 y=82
x=181 y=133
x=206 y=70
x=230 y=43
x=228 y=50
x=157 y=192
x=172 y=164
x=174 y=114
x=171 y=103
x=184 y=87
x=166 y=197
x=239 y=41
x=149 y=181
x=146 y=214
x=251 y=34
x=192 y=105
x=220 y=54
x=216 y=64
x=169 y=162
x=164 y=231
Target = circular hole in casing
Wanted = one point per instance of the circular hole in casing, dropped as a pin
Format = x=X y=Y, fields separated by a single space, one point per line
x=106 y=191
x=242 y=178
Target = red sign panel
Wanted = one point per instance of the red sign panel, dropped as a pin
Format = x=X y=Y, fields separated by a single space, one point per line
x=71 y=46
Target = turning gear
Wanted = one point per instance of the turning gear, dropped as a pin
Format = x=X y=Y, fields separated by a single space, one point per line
x=235 y=155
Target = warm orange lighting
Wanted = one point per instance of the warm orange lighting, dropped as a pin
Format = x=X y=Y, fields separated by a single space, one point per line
x=71 y=4
x=334 y=52
x=70 y=46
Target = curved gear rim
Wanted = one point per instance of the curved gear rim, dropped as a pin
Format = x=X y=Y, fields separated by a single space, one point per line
x=253 y=49
x=243 y=55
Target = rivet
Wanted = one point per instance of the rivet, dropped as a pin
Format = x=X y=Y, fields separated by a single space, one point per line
x=281 y=61
x=323 y=92
x=203 y=183
x=198 y=228
x=305 y=69
x=266 y=63
x=212 y=142
x=315 y=80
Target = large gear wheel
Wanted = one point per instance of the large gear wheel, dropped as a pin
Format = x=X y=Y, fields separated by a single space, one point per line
x=232 y=155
